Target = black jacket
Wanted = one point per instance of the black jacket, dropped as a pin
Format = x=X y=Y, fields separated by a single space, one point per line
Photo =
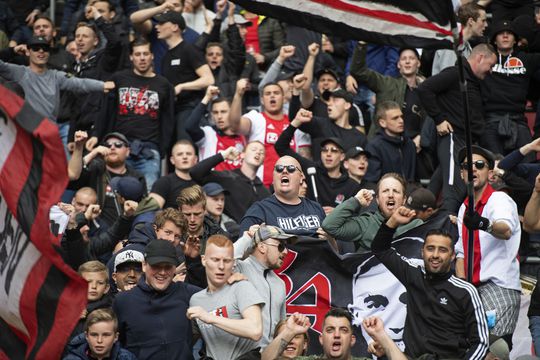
x=391 y=154
x=153 y=324
x=441 y=98
x=243 y=192
x=331 y=191
x=445 y=316
x=77 y=251
x=78 y=348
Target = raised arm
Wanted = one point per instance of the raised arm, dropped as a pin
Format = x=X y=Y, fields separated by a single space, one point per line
x=142 y=19
x=193 y=121
x=531 y=218
x=239 y=124
x=306 y=95
x=76 y=161
x=296 y=324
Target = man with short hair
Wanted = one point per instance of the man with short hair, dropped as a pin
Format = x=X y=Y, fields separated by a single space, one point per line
x=445 y=316
x=285 y=208
x=265 y=126
x=243 y=184
x=390 y=150
x=167 y=188
x=228 y=316
x=143 y=110
x=473 y=20
x=184 y=66
x=336 y=339
x=152 y=316
x=442 y=99
x=268 y=254
x=99 y=340
x=211 y=139
x=497 y=236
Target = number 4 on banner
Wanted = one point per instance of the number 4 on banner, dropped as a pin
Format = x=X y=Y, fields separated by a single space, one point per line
x=317 y=288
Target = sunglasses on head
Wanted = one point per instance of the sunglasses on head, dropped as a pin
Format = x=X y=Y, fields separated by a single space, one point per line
x=39 y=47
x=479 y=164
x=290 y=168
x=116 y=144
x=280 y=247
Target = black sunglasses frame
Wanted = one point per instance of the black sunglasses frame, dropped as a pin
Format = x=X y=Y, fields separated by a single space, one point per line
x=291 y=169
x=479 y=164
x=116 y=144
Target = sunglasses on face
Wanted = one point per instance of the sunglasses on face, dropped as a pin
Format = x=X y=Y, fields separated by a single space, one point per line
x=332 y=150
x=479 y=164
x=39 y=47
x=116 y=144
x=280 y=247
x=290 y=168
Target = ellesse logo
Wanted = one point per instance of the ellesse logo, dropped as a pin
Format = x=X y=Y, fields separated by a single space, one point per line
x=512 y=65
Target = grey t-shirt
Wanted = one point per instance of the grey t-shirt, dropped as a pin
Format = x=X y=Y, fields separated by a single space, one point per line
x=227 y=302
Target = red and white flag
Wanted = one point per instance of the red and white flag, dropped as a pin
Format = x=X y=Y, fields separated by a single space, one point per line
x=41 y=298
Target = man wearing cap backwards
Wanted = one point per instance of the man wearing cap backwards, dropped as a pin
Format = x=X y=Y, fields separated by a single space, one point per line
x=505 y=92
x=152 y=318
x=99 y=167
x=268 y=254
x=184 y=66
x=332 y=182
x=228 y=316
x=390 y=150
x=497 y=236
x=285 y=208
x=265 y=126
x=445 y=317
x=442 y=100
x=42 y=86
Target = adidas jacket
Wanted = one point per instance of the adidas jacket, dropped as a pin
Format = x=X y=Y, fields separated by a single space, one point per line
x=445 y=316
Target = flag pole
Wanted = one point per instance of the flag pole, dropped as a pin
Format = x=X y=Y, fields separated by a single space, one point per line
x=468 y=144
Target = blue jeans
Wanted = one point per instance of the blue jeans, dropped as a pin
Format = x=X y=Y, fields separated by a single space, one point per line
x=63 y=129
x=149 y=166
x=534 y=327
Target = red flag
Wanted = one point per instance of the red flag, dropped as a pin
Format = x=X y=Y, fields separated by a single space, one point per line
x=42 y=298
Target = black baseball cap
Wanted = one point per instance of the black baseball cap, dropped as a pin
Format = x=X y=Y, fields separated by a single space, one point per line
x=160 y=251
x=334 y=140
x=174 y=17
x=355 y=151
x=499 y=27
x=486 y=154
x=409 y=48
x=128 y=187
x=327 y=71
x=421 y=199
x=117 y=135
x=339 y=93
x=39 y=41
x=213 y=189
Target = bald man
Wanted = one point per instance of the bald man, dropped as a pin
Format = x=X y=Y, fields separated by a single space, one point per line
x=285 y=208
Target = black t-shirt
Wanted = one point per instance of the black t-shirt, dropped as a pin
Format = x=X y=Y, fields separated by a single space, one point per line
x=169 y=187
x=179 y=65
x=139 y=104
x=412 y=113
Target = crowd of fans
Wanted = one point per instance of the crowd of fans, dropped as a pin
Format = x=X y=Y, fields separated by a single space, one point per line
x=202 y=139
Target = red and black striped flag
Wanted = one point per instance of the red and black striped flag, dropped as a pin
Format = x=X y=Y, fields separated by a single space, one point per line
x=412 y=23
x=41 y=298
